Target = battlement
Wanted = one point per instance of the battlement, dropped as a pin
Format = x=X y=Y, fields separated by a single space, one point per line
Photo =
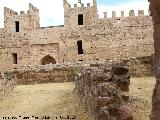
x=79 y=4
x=33 y=8
x=9 y=12
x=131 y=13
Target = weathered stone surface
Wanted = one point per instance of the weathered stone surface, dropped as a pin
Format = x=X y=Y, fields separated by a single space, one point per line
x=102 y=38
x=100 y=89
x=125 y=113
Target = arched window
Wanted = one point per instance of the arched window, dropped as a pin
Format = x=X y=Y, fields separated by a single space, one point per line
x=47 y=60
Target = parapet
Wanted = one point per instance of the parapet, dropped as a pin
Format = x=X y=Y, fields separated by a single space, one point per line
x=122 y=13
x=105 y=14
x=22 y=12
x=67 y=5
x=33 y=8
x=131 y=13
x=9 y=12
x=140 y=12
x=113 y=14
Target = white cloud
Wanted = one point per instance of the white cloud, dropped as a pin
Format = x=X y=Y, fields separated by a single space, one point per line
x=52 y=10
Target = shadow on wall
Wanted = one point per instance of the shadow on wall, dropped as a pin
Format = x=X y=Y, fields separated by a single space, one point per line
x=47 y=60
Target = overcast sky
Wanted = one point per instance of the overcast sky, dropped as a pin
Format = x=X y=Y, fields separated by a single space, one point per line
x=51 y=11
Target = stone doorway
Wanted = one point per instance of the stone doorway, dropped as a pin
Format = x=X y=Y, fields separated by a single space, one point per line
x=48 y=60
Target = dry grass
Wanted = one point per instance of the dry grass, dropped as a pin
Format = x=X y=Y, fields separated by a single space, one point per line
x=141 y=90
x=52 y=100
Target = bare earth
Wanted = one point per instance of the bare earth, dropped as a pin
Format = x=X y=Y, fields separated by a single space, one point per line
x=141 y=90
x=55 y=100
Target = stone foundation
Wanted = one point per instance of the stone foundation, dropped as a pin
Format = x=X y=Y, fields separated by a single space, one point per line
x=104 y=91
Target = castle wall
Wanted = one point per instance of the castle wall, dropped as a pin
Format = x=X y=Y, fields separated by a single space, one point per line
x=108 y=39
x=102 y=38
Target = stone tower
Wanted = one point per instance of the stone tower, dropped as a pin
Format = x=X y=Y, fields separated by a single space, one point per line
x=14 y=22
x=80 y=15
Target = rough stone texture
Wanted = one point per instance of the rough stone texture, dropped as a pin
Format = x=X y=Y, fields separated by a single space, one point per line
x=42 y=74
x=141 y=66
x=155 y=8
x=102 y=38
x=6 y=84
x=103 y=91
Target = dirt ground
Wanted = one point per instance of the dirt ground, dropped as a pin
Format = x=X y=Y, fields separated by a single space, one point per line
x=58 y=100
x=54 y=100
x=140 y=96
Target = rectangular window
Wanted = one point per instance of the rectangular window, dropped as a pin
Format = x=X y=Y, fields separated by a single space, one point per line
x=17 y=26
x=80 y=48
x=80 y=19
x=14 y=57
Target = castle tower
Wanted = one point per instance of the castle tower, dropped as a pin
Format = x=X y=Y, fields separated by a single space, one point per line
x=80 y=15
x=14 y=22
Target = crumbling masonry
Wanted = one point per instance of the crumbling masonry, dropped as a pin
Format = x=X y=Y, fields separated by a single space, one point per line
x=84 y=37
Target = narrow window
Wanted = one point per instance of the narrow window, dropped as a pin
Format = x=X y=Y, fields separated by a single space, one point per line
x=80 y=48
x=17 y=26
x=14 y=56
x=80 y=19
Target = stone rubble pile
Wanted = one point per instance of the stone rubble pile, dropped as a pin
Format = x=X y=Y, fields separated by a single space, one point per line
x=104 y=91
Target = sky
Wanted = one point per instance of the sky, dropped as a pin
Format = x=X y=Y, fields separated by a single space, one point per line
x=51 y=11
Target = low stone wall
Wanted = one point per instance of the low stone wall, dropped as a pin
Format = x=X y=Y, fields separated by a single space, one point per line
x=43 y=74
x=103 y=90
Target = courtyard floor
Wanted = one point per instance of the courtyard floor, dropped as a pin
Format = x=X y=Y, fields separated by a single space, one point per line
x=141 y=90
x=58 y=100
x=54 y=100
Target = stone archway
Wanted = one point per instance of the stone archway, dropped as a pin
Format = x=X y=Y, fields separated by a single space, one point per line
x=48 y=60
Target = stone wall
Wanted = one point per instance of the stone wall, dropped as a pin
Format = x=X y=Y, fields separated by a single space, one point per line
x=43 y=74
x=103 y=90
x=102 y=38
x=141 y=66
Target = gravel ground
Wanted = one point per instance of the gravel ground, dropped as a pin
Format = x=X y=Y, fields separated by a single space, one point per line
x=141 y=90
x=54 y=100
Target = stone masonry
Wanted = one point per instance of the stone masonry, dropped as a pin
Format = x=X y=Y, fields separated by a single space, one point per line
x=83 y=37
x=104 y=91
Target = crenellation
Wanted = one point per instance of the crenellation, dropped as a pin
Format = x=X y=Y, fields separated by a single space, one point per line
x=88 y=4
x=99 y=38
x=32 y=7
x=140 y=12
x=113 y=14
x=82 y=5
x=105 y=14
x=9 y=12
x=22 y=12
x=122 y=13
x=75 y=5
x=131 y=13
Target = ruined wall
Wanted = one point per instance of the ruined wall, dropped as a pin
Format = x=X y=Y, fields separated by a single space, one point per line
x=103 y=90
x=42 y=74
x=141 y=66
